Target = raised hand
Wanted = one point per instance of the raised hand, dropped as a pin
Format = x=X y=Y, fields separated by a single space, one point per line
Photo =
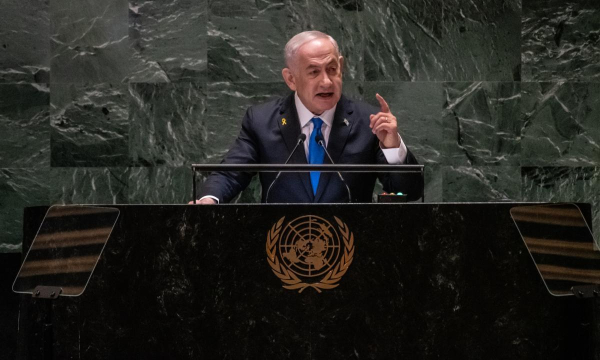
x=385 y=125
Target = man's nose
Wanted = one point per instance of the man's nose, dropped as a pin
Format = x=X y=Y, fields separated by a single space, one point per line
x=325 y=79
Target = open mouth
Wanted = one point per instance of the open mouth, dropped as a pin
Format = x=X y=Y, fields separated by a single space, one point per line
x=325 y=95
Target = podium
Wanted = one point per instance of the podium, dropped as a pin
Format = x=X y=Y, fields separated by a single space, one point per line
x=418 y=280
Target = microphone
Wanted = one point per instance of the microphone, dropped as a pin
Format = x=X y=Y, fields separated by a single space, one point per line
x=300 y=141
x=319 y=139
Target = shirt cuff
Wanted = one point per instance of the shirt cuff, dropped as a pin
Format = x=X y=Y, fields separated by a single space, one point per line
x=210 y=197
x=395 y=156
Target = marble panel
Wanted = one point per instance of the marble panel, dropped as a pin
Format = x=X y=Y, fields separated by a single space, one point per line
x=246 y=41
x=564 y=184
x=24 y=125
x=481 y=183
x=403 y=40
x=561 y=124
x=24 y=42
x=456 y=40
x=481 y=122
x=89 y=41
x=89 y=185
x=90 y=125
x=343 y=20
x=434 y=183
x=481 y=40
x=226 y=105
x=560 y=40
x=168 y=124
x=159 y=185
x=556 y=184
x=168 y=40
x=418 y=108
x=19 y=188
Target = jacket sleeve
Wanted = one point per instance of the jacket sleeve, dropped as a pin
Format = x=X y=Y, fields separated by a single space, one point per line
x=410 y=184
x=227 y=185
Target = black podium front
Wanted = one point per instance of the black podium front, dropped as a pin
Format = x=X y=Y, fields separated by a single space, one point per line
x=411 y=280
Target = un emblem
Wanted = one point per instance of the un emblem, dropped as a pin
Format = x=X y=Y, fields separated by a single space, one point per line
x=309 y=252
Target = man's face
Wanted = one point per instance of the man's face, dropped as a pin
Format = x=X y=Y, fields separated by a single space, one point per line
x=316 y=75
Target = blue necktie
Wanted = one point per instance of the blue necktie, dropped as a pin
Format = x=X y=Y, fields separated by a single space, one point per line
x=316 y=153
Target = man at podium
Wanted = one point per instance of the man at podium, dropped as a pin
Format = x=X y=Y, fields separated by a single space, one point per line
x=313 y=120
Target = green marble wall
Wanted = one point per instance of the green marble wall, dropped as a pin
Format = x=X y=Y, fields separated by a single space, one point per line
x=110 y=101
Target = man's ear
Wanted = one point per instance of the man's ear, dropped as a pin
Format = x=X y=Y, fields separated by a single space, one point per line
x=341 y=60
x=289 y=79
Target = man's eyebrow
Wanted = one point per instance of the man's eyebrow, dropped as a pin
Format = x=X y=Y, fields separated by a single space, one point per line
x=315 y=65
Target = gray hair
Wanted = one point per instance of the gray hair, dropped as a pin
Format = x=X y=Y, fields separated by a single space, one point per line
x=292 y=46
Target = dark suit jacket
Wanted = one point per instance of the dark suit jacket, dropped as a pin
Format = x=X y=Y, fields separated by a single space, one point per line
x=264 y=139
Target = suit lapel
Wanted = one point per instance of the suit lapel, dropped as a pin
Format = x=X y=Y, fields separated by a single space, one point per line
x=290 y=132
x=340 y=129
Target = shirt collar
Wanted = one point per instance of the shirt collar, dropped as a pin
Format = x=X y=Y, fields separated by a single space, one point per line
x=304 y=115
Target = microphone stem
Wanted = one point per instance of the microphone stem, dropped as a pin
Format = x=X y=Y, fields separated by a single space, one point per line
x=300 y=141
x=322 y=143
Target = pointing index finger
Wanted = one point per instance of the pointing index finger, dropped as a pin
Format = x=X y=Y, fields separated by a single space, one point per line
x=384 y=105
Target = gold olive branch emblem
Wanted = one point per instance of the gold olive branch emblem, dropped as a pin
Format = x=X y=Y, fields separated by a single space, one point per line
x=292 y=281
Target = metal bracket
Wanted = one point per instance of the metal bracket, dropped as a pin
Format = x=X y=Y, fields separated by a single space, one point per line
x=46 y=292
x=587 y=291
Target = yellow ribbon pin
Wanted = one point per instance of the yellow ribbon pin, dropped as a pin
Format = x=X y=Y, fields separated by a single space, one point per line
x=283 y=121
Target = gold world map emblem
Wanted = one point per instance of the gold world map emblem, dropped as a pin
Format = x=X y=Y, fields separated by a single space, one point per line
x=310 y=252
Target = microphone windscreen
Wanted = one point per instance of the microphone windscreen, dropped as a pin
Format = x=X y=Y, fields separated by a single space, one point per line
x=302 y=137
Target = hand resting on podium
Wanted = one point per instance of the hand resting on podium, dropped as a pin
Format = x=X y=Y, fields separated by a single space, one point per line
x=204 y=201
